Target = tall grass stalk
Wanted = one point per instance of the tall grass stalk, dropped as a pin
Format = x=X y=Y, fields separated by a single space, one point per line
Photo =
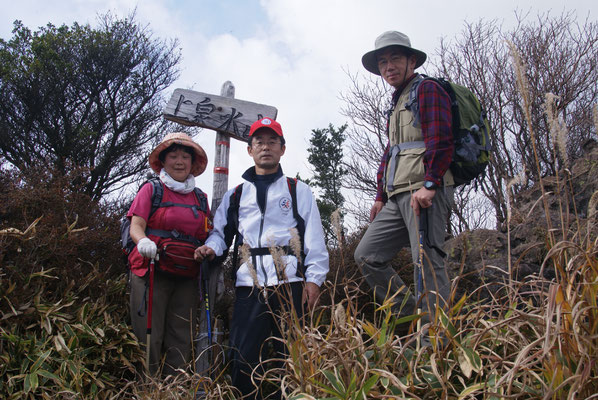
x=558 y=134
x=522 y=84
x=518 y=180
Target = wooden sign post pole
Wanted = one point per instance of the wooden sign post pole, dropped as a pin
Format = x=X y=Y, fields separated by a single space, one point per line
x=221 y=155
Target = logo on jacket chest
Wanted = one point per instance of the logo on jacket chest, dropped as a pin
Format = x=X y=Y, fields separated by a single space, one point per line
x=285 y=205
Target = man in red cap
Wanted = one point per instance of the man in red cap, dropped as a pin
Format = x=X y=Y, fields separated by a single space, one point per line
x=284 y=260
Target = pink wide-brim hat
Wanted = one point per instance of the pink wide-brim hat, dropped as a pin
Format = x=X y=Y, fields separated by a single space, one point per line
x=200 y=160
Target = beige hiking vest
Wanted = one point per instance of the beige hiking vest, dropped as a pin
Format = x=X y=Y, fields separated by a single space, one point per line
x=405 y=167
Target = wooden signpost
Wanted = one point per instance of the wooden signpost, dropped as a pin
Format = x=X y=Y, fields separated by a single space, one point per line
x=222 y=113
x=230 y=118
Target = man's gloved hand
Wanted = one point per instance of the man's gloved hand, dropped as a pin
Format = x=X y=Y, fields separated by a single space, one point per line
x=147 y=248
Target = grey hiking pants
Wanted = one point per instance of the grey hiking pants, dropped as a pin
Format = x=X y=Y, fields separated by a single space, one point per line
x=396 y=227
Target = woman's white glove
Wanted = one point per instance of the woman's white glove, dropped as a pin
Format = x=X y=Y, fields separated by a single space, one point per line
x=147 y=248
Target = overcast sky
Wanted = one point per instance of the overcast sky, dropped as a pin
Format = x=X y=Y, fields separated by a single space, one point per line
x=289 y=54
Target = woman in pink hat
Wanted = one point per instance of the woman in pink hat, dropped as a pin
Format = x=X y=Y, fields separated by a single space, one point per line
x=169 y=219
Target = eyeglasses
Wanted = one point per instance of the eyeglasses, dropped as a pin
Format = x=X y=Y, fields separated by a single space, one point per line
x=260 y=144
x=394 y=59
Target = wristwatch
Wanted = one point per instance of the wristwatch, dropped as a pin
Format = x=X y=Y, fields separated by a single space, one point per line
x=430 y=185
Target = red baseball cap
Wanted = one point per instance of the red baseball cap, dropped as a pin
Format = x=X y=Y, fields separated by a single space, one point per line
x=266 y=123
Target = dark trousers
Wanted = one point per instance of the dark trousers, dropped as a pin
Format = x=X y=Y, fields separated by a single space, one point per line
x=254 y=321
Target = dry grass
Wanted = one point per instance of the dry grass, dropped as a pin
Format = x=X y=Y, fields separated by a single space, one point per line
x=535 y=339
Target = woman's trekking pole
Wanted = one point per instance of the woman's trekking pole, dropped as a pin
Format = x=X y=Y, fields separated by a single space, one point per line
x=205 y=271
x=149 y=314
x=423 y=223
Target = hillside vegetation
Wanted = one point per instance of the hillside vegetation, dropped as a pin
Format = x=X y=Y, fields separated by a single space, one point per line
x=523 y=322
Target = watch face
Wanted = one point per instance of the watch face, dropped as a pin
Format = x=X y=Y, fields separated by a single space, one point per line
x=429 y=185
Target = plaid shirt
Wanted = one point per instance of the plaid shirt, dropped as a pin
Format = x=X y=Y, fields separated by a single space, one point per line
x=435 y=117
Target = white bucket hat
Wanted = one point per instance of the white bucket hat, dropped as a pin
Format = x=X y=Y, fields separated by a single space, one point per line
x=387 y=39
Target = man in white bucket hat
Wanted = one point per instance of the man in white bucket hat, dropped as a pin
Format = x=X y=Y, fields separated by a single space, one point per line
x=413 y=180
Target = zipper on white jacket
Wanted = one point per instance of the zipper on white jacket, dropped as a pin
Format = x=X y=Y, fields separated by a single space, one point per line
x=259 y=239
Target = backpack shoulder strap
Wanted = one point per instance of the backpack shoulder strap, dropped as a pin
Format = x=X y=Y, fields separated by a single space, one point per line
x=157 y=194
x=232 y=225
x=232 y=215
x=202 y=199
x=413 y=102
x=292 y=184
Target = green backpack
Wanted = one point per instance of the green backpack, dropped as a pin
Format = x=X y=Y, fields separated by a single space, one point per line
x=470 y=129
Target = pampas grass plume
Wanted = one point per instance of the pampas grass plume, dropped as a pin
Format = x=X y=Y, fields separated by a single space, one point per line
x=558 y=130
x=246 y=258
x=295 y=244
x=279 y=261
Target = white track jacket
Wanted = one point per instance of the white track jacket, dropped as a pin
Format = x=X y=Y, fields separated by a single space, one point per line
x=272 y=228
